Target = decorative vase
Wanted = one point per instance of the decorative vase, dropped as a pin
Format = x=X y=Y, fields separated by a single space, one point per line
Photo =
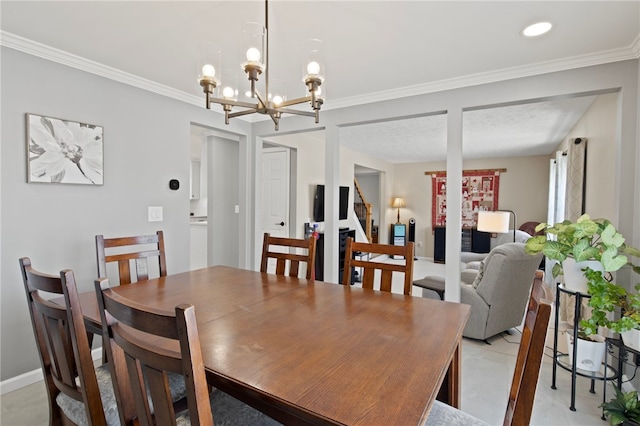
x=574 y=278
x=590 y=353
x=631 y=338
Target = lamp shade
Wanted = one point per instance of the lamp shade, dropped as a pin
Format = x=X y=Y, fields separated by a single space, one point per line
x=398 y=202
x=494 y=222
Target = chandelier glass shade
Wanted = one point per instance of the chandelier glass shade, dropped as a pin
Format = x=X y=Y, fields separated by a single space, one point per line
x=220 y=85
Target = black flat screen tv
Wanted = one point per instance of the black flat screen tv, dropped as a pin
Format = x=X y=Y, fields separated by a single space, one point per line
x=318 y=203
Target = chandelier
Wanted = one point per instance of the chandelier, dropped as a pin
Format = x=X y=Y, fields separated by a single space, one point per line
x=256 y=40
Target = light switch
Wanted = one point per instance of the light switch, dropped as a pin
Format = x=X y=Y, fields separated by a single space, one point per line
x=237 y=208
x=155 y=213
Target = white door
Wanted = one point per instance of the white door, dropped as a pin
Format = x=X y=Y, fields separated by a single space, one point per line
x=275 y=191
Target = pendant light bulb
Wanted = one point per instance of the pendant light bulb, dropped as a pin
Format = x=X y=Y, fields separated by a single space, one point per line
x=228 y=92
x=253 y=55
x=313 y=68
x=208 y=71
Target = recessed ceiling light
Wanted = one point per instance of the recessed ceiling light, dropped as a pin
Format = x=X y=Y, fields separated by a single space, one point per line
x=536 y=29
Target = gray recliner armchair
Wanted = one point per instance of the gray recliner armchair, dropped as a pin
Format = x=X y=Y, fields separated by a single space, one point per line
x=499 y=294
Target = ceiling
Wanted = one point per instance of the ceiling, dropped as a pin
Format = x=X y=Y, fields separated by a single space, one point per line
x=374 y=50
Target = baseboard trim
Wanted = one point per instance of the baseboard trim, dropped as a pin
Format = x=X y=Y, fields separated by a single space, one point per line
x=31 y=377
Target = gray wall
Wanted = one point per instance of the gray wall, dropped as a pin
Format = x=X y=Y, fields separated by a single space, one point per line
x=146 y=143
x=223 y=189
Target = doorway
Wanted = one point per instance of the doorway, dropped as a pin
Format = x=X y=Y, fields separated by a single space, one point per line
x=219 y=200
x=198 y=226
x=276 y=172
x=370 y=193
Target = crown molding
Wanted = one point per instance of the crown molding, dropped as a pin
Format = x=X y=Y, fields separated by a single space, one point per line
x=56 y=55
x=65 y=58
x=635 y=47
x=616 y=55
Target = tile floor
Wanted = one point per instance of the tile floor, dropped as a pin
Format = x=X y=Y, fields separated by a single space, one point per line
x=486 y=377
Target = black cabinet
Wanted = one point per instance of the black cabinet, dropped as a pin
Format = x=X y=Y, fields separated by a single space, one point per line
x=343 y=234
x=398 y=236
x=439 y=243
x=472 y=240
x=480 y=241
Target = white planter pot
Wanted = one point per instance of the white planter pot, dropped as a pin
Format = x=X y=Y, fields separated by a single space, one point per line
x=574 y=278
x=631 y=338
x=590 y=354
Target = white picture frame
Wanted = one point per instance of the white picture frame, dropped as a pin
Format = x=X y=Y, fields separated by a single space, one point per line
x=64 y=151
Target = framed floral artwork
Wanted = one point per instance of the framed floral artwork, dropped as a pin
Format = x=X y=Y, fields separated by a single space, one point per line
x=64 y=151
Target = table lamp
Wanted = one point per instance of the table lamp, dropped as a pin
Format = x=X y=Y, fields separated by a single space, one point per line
x=496 y=222
x=397 y=203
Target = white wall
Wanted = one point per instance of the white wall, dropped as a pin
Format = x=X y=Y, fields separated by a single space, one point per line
x=310 y=172
x=590 y=80
x=198 y=207
x=348 y=160
x=599 y=126
x=523 y=189
x=370 y=186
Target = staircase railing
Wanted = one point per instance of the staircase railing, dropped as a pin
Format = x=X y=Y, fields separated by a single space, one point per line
x=363 y=210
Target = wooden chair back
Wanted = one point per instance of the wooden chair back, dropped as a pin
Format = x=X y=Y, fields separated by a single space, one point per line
x=294 y=259
x=149 y=344
x=530 y=353
x=128 y=251
x=369 y=267
x=63 y=342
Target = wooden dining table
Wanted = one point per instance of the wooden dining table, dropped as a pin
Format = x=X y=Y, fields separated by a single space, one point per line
x=313 y=352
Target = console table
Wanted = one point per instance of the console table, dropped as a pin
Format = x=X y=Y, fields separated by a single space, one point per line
x=472 y=240
x=398 y=236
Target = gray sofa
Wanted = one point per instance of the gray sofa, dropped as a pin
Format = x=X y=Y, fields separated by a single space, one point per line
x=498 y=295
x=521 y=237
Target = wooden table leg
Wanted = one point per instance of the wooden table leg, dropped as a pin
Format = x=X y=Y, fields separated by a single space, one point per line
x=450 y=389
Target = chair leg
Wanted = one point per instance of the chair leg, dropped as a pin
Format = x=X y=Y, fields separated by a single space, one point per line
x=486 y=341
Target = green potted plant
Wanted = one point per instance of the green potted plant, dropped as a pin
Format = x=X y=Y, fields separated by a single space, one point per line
x=623 y=409
x=599 y=242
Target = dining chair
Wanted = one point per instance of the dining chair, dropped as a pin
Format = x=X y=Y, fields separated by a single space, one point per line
x=147 y=345
x=369 y=267
x=127 y=251
x=77 y=392
x=525 y=375
x=271 y=245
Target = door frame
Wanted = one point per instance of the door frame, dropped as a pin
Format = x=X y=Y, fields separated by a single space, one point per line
x=288 y=228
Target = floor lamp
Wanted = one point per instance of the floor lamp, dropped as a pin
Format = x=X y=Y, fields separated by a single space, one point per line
x=496 y=222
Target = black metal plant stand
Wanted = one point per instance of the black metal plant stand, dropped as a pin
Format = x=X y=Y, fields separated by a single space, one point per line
x=560 y=359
